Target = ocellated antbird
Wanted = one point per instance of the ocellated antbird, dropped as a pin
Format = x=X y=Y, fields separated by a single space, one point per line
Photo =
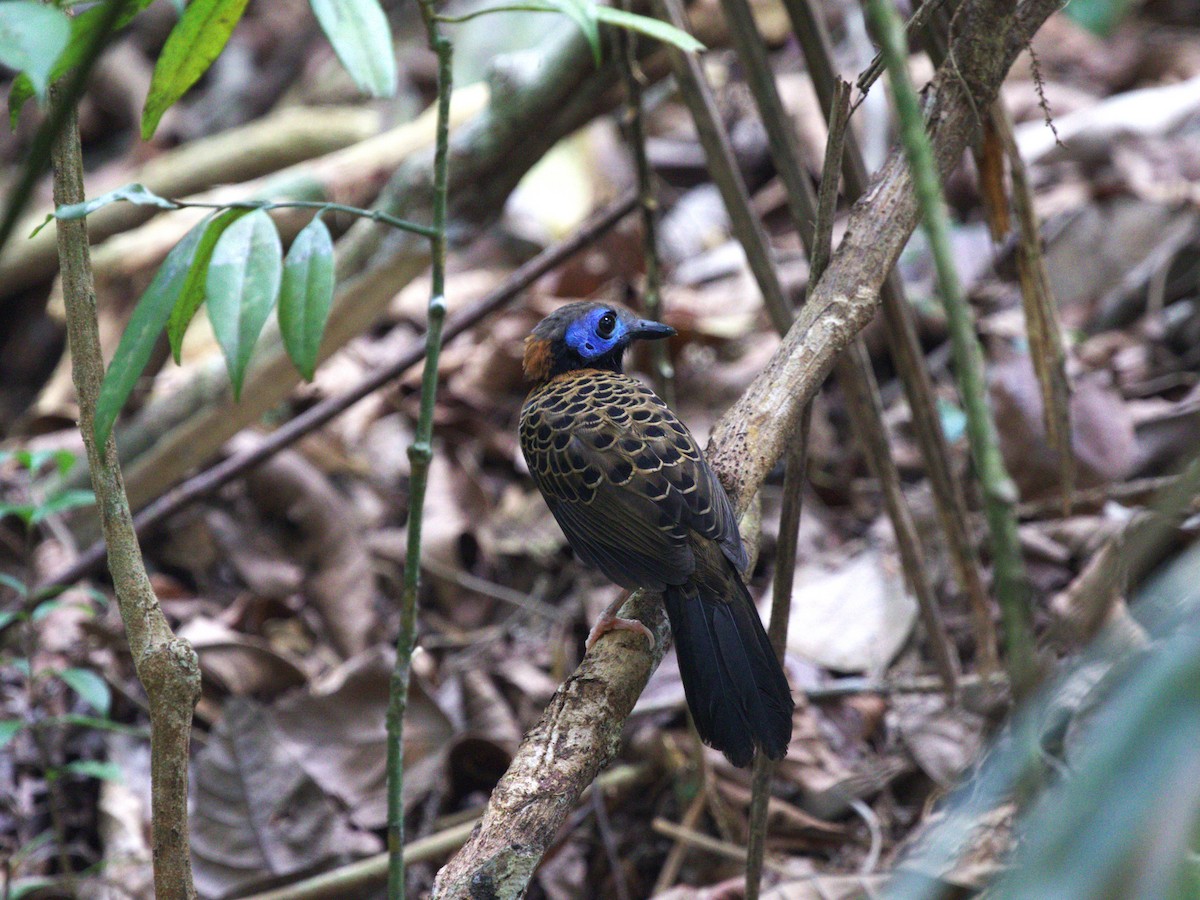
x=636 y=499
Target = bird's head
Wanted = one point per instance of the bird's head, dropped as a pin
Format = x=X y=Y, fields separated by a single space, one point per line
x=585 y=336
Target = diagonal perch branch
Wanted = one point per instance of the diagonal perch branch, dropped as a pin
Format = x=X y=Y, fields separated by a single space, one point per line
x=580 y=730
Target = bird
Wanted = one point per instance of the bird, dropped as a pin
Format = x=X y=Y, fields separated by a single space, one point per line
x=636 y=499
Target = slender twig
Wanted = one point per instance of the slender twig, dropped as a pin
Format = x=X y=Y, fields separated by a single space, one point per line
x=908 y=357
x=795 y=467
x=675 y=856
x=916 y=22
x=709 y=844
x=420 y=453
x=999 y=492
x=632 y=77
x=794 y=473
x=375 y=215
x=722 y=167
x=166 y=665
x=365 y=874
x=1041 y=313
x=848 y=687
x=222 y=473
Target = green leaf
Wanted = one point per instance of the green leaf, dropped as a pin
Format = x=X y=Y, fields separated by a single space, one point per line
x=94 y=768
x=99 y=724
x=654 y=28
x=83 y=28
x=9 y=729
x=660 y=31
x=64 y=461
x=15 y=584
x=7 y=617
x=243 y=282
x=362 y=40
x=1101 y=17
x=196 y=40
x=45 y=608
x=23 y=511
x=306 y=295
x=23 y=887
x=141 y=334
x=191 y=295
x=90 y=686
x=32 y=37
x=584 y=14
x=137 y=194
x=73 y=499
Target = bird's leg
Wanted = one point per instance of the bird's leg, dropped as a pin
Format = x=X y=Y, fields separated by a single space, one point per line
x=610 y=621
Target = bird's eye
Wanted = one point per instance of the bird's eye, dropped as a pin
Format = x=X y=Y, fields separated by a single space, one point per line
x=605 y=326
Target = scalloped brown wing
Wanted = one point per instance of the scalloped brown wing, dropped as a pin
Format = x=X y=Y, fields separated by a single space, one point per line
x=624 y=478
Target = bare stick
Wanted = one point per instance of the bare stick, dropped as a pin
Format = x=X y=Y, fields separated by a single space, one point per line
x=632 y=77
x=166 y=665
x=1000 y=494
x=905 y=348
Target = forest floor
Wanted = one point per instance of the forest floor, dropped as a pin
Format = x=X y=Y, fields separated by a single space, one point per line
x=287 y=580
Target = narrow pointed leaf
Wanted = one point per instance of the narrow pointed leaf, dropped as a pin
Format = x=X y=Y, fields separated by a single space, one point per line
x=72 y=499
x=362 y=40
x=584 y=14
x=83 y=28
x=306 y=295
x=191 y=293
x=9 y=729
x=654 y=28
x=94 y=768
x=141 y=334
x=14 y=584
x=137 y=194
x=90 y=686
x=196 y=40
x=32 y=37
x=243 y=282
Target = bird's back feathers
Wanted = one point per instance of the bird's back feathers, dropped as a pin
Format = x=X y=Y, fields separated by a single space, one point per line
x=636 y=499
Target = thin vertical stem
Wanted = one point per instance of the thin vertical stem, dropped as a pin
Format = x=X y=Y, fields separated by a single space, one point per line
x=166 y=665
x=419 y=455
x=905 y=348
x=794 y=472
x=663 y=372
x=999 y=493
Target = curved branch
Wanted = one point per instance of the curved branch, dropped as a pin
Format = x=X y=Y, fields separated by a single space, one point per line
x=580 y=730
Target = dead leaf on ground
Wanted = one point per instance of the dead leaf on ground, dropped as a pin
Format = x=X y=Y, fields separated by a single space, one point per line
x=337 y=733
x=853 y=619
x=240 y=663
x=341 y=581
x=256 y=813
x=943 y=740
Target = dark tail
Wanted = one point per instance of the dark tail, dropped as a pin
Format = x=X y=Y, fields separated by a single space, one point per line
x=735 y=687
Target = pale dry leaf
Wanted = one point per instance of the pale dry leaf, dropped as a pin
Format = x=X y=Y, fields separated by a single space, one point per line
x=341 y=583
x=337 y=732
x=853 y=619
x=943 y=740
x=240 y=663
x=255 y=811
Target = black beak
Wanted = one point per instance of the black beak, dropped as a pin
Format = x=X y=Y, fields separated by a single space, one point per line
x=648 y=330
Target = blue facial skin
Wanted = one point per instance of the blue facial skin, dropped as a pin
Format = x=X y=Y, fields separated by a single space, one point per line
x=582 y=337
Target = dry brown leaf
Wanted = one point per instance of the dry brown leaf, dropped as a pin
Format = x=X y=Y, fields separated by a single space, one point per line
x=337 y=733
x=239 y=663
x=330 y=542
